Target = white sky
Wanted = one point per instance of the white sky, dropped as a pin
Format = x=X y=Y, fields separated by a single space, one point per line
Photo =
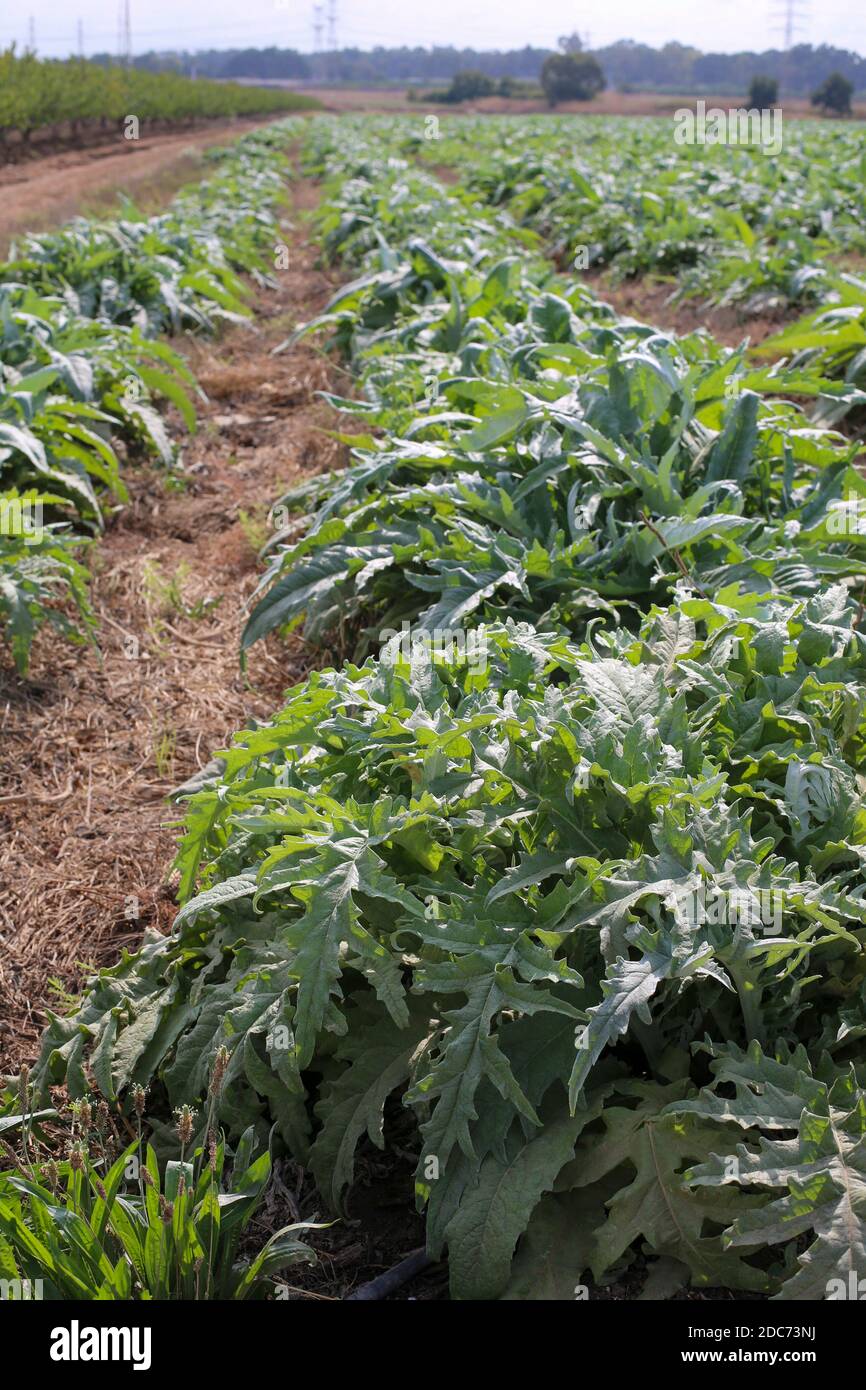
x=720 y=26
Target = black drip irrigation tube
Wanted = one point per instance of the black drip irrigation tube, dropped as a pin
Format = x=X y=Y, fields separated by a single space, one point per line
x=392 y=1279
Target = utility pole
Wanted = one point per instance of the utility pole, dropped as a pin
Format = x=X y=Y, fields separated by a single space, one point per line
x=318 y=21
x=788 y=22
x=124 y=34
x=331 y=39
x=80 y=34
x=31 y=34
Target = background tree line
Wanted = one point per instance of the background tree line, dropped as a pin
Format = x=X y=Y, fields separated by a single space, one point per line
x=626 y=65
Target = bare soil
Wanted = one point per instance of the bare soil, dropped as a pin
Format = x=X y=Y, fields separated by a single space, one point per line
x=40 y=193
x=610 y=103
x=649 y=300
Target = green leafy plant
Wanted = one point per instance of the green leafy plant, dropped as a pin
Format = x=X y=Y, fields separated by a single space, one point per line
x=566 y=465
x=736 y=230
x=39 y=572
x=830 y=341
x=476 y=886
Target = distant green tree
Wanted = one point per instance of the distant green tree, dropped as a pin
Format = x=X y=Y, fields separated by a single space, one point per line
x=763 y=92
x=834 y=94
x=571 y=77
x=470 y=84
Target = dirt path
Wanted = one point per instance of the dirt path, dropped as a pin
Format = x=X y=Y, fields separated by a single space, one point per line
x=93 y=742
x=43 y=192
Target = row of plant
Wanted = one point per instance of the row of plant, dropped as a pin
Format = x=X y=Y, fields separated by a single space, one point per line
x=82 y=367
x=582 y=885
x=542 y=458
x=728 y=223
x=736 y=223
x=94 y=1204
x=38 y=93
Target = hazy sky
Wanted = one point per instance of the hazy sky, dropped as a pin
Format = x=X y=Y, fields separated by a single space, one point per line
x=722 y=25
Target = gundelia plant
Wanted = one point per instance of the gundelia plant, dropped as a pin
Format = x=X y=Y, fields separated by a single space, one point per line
x=714 y=221
x=566 y=456
x=461 y=888
x=401 y=873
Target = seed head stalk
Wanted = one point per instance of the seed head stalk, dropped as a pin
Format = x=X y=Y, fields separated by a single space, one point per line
x=218 y=1075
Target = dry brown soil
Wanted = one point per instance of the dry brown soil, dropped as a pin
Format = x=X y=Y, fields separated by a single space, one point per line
x=650 y=301
x=40 y=193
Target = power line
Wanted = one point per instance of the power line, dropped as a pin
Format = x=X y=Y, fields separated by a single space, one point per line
x=362 y=32
x=788 y=20
x=168 y=33
x=124 y=34
x=358 y=36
